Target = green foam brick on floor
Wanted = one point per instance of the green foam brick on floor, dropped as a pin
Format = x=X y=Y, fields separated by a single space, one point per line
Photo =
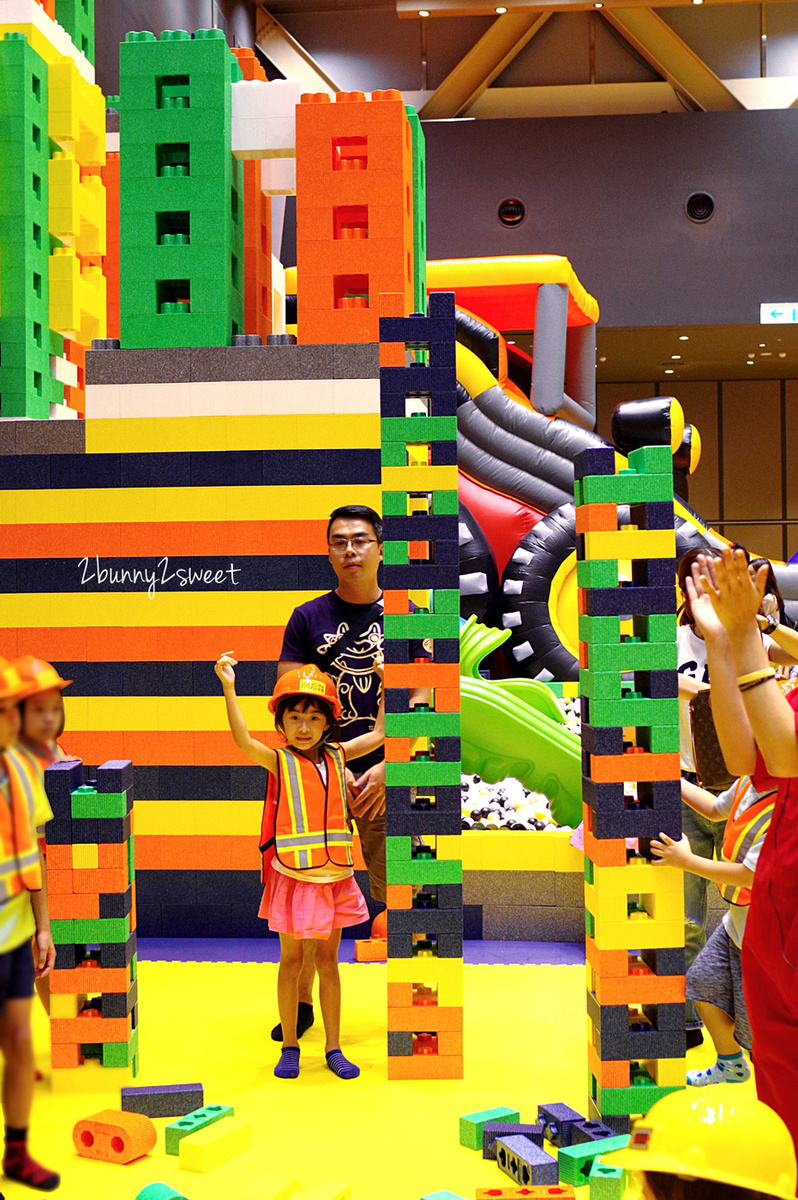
x=473 y=1124
x=575 y=1162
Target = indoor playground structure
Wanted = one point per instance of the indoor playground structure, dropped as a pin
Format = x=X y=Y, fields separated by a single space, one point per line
x=180 y=413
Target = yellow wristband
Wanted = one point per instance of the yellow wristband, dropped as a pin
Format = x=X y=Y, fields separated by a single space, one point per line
x=744 y=682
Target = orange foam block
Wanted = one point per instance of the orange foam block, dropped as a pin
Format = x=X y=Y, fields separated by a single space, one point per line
x=89 y=977
x=371 y=950
x=554 y=1191
x=429 y=1018
x=597 y=517
x=425 y=1066
x=399 y=895
x=424 y=674
x=604 y=852
x=633 y=767
x=90 y=1027
x=114 y=1136
x=397 y=603
x=608 y=1074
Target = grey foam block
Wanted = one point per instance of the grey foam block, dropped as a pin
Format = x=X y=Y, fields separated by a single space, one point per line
x=525 y=1162
x=557 y=1120
x=138 y=366
x=493 y=1130
x=212 y=364
x=8 y=436
x=167 y=1100
x=400 y=1043
x=357 y=361
x=538 y=923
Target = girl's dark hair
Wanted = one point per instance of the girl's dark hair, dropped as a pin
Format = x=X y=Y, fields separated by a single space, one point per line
x=677 y=1187
x=303 y=703
x=684 y=612
x=357 y=512
x=771 y=587
x=61 y=723
x=739 y=546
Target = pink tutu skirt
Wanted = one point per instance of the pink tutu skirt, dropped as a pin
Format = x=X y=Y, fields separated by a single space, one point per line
x=311 y=910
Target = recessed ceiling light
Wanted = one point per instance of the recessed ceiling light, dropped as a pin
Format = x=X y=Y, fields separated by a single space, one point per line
x=750 y=363
x=752 y=354
x=501 y=10
x=782 y=353
x=669 y=370
x=676 y=356
x=766 y=354
x=509 y=343
x=422 y=12
x=762 y=345
x=698 y=1
x=683 y=337
x=603 y=358
x=598 y=4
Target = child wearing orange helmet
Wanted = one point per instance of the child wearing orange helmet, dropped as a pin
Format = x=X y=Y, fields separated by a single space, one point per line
x=23 y=905
x=306 y=839
x=42 y=711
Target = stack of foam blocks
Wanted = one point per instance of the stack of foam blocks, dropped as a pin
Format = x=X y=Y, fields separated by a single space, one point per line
x=422 y=747
x=630 y=748
x=91 y=891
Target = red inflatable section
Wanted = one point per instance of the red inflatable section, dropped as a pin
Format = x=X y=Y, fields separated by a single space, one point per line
x=504 y=521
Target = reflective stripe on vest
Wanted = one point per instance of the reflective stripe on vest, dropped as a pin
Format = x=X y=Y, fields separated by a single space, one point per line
x=20 y=864
x=310 y=820
x=742 y=831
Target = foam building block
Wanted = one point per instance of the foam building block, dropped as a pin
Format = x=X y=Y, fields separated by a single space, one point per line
x=263 y=118
x=630 y=790
x=539 y=1192
x=493 y=1130
x=442 y=1196
x=472 y=1125
x=575 y=1162
x=525 y=1162
x=159 y=1191
x=114 y=1136
x=163 y=1100
x=192 y=1122
x=216 y=1144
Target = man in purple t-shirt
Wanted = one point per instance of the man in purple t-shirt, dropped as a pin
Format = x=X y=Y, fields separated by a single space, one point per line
x=354 y=537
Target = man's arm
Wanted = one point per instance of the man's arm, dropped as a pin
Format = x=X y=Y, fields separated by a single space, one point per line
x=284 y=665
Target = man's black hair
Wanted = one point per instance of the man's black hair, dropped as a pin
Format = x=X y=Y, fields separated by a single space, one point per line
x=303 y=703
x=356 y=512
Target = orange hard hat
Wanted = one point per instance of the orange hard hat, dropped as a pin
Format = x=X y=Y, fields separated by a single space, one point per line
x=306 y=681
x=12 y=685
x=40 y=676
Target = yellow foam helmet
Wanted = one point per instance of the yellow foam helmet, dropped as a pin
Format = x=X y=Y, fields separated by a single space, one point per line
x=729 y=1137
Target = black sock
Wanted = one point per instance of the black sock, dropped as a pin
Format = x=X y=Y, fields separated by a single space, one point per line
x=304 y=1020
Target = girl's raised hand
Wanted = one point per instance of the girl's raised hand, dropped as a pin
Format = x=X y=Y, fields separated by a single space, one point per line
x=707 y=621
x=224 y=669
x=379 y=666
x=735 y=597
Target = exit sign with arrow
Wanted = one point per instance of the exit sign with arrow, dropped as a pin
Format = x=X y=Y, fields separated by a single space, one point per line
x=779 y=314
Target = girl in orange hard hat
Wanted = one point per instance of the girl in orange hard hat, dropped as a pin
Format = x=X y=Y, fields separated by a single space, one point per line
x=42 y=712
x=306 y=839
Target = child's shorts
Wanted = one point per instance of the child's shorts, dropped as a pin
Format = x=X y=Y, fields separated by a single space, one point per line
x=16 y=974
x=311 y=910
x=716 y=977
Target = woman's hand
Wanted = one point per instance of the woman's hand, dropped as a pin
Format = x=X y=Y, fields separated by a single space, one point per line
x=224 y=669
x=707 y=621
x=378 y=666
x=736 y=598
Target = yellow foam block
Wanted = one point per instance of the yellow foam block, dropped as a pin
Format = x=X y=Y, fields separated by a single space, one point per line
x=97 y=609
x=209 y=1148
x=449 y=847
x=129 y=435
x=91 y=1077
x=66 y=506
x=668 y=1072
x=208 y=817
x=567 y=858
x=85 y=857
x=419 y=479
x=630 y=543
x=512 y=851
x=446 y=972
x=183 y=713
x=63 y=1005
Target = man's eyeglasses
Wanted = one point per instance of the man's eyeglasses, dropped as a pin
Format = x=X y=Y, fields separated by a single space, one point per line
x=357 y=543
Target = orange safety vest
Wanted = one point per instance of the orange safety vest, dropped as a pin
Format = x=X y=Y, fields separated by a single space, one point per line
x=20 y=866
x=742 y=830
x=304 y=820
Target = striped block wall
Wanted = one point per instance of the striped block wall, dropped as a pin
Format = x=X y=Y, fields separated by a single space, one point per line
x=191 y=520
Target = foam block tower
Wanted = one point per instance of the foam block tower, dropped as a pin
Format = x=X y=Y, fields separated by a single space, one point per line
x=91 y=891
x=422 y=747
x=181 y=192
x=52 y=217
x=355 y=235
x=634 y=907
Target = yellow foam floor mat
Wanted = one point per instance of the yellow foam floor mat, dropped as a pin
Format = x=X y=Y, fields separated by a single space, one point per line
x=210 y=1022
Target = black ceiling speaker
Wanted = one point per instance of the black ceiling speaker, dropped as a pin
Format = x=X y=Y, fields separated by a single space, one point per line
x=511 y=212
x=699 y=207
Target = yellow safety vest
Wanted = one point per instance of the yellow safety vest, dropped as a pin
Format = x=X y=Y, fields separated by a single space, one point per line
x=742 y=830
x=20 y=865
x=303 y=818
